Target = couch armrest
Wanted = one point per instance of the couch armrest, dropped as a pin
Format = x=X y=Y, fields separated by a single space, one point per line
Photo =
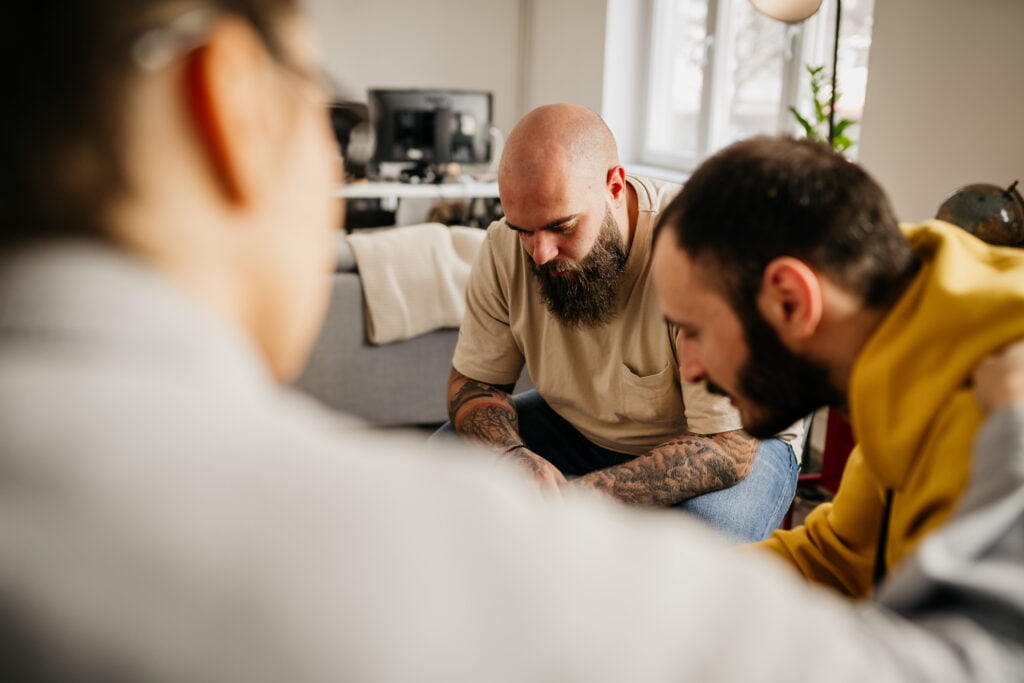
x=401 y=383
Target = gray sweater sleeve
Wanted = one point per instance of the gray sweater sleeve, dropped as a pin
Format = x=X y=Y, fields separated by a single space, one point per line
x=964 y=588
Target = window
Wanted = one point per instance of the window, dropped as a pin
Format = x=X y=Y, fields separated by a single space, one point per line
x=720 y=71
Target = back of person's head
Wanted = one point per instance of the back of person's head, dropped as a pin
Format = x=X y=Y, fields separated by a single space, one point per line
x=766 y=197
x=70 y=63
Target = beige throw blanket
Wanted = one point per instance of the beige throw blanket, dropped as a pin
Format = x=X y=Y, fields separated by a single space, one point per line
x=414 y=277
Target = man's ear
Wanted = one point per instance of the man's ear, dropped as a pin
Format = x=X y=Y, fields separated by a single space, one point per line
x=226 y=84
x=791 y=299
x=616 y=183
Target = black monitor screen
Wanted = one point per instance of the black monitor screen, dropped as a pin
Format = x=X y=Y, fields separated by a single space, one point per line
x=432 y=126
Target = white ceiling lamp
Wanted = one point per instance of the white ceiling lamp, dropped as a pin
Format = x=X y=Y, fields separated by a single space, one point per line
x=795 y=11
x=789 y=11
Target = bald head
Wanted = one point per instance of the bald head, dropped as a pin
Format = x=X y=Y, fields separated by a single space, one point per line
x=557 y=146
x=562 y=187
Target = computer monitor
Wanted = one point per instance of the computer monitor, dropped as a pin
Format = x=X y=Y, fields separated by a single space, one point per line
x=431 y=128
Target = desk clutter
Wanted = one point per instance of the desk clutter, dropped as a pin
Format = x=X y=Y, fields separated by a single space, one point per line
x=402 y=144
x=373 y=204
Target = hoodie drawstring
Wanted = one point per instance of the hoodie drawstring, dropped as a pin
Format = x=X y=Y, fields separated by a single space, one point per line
x=883 y=540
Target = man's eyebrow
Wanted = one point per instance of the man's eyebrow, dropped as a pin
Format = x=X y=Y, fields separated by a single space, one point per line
x=557 y=223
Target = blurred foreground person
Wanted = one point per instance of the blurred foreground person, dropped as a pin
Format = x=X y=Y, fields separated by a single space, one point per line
x=168 y=511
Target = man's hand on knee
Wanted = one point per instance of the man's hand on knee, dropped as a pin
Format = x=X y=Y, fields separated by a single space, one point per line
x=548 y=477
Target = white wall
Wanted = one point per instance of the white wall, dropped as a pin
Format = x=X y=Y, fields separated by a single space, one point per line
x=528 y=52
x=626 y=47
x=564 y=42
x=945 y=100
x=470 y=44
x=944 y=103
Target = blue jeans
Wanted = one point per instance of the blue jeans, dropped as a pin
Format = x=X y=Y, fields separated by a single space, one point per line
x=748 y=511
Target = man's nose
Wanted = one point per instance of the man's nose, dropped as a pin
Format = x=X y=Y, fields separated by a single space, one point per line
x=690 y=367
x=544 y=247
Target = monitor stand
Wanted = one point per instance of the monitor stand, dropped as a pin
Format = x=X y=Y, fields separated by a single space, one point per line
x=434 y=172
x=424 y=173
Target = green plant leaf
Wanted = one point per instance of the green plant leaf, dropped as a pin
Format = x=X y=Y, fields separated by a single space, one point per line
x=819 y=110
x=804 y=123
x=841 y=143
x=823 y=104
x=842 y=125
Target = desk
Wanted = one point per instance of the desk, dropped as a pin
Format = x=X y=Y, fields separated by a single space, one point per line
x=392 y=191
x=389 y=193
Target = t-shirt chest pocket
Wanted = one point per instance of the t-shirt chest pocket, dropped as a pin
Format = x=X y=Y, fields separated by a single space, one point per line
x=648 y=398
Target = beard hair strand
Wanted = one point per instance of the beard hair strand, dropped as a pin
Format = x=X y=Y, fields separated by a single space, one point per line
x=784 y=385
x=586 y=296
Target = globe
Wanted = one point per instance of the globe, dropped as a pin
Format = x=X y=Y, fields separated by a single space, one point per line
x=989 y=212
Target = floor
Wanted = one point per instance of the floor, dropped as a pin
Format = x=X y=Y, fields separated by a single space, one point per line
x=806 y=501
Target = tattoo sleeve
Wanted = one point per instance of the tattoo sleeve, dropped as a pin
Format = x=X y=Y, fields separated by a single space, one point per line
x=681 y=468
x=482 y=412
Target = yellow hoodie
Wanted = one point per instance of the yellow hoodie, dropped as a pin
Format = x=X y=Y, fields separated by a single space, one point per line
x=912 y=410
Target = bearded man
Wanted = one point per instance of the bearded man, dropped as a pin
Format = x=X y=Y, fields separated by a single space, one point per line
x=563 y=285
x=795 y=287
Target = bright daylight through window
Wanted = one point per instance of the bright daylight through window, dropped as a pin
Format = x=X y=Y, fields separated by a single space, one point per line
x=719 y=71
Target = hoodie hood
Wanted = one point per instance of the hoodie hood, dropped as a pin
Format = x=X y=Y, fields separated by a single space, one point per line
x=966 y=301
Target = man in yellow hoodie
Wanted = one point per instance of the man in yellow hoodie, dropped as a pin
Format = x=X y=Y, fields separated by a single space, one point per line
x=794 y=287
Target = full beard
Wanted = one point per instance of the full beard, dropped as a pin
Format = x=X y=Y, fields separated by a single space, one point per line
x=586 y=295
x=785 y=386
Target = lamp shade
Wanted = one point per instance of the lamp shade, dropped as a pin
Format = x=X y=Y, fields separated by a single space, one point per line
x=790 y=11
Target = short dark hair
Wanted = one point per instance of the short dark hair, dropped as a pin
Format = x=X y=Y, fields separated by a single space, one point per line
x=772 y=196
x=68 y=66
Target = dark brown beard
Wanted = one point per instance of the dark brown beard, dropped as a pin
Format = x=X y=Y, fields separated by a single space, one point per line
x=586 y=296
x=785 y=385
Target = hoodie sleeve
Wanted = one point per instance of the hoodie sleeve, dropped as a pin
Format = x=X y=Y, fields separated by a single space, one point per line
x=833 y=546
x=838 y=543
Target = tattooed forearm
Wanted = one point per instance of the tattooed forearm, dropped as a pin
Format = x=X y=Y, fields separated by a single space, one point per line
x=495 y=427
x=482 y=412
x=678 y=469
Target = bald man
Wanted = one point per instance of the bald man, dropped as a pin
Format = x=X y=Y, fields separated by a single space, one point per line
x=563 y=285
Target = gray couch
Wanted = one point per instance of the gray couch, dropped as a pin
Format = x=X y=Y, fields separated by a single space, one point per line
x=403 y=383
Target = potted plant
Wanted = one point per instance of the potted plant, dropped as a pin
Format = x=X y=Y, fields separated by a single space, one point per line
x=816 y=126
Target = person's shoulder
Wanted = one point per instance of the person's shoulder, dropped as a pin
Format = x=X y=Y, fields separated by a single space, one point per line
x=293 y=427
x=656 y=184
x=502 y=243
x=498 y=233
x=933 y=238
x=304 y=432
x=653 y=193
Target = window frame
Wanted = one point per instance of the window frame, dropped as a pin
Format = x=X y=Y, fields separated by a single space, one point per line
x=719 y=40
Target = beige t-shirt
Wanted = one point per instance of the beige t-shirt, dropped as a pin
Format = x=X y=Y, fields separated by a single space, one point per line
x=618 y=383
